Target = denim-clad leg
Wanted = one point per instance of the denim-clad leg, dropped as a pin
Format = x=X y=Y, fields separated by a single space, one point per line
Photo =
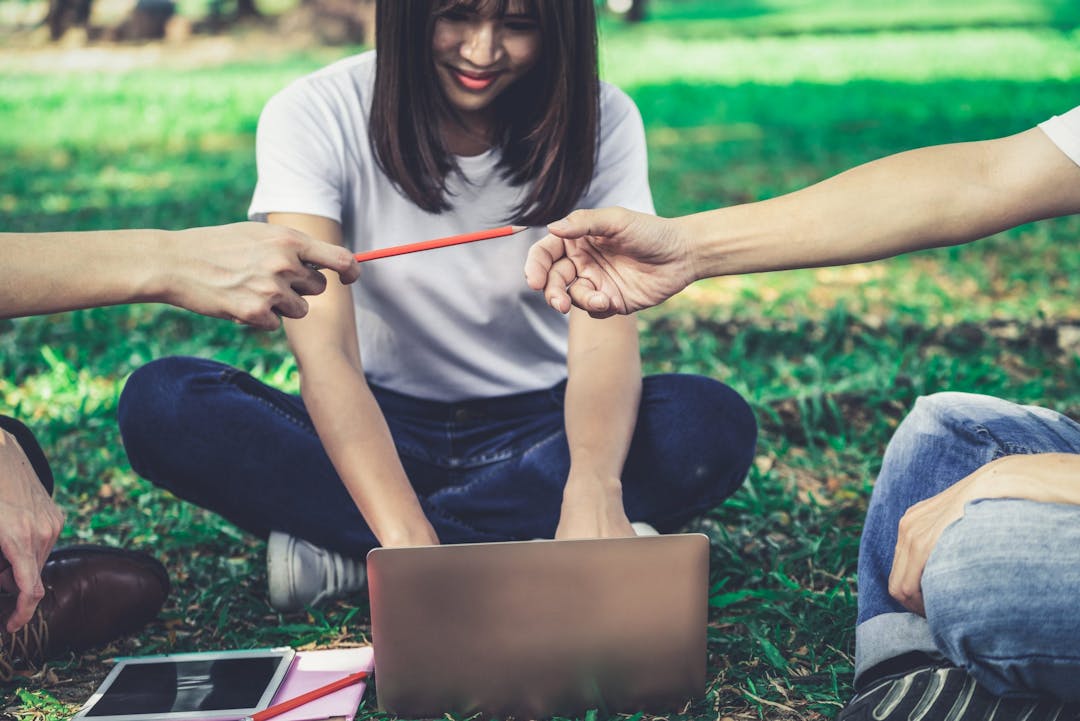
x=1002 y=592
x=489 y=469
x=946 y=437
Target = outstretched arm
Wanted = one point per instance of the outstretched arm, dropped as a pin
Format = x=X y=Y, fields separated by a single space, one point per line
x=613 y=261
x=248 y=272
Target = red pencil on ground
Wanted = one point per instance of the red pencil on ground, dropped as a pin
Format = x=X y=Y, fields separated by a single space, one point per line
x=440 y=242
x=278 y=709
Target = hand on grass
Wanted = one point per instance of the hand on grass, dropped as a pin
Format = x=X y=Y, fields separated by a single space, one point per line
x=249 y=272
x=609 y=261
x=30 y=523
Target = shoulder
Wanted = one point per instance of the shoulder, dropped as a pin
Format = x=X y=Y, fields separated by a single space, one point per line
x=616 y=109
x=620 y=120
x=612 y=96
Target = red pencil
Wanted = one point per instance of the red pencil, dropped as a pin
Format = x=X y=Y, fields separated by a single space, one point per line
x=440 y=242
x=304 y=698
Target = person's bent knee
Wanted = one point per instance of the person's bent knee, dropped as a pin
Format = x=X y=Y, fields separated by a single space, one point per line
x=713 y=435
x=152 y=407
x=951 y=412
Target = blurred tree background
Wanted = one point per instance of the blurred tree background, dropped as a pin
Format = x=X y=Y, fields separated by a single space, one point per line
x=742 y=100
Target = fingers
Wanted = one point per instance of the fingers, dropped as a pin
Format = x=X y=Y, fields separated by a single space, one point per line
x=291 y=305
x=542 y=255
x=907 y=591
x=308 y=281
x=560 y=277
x=23 y=577
x=332 y=257
x=257 y=311
x=586 y=296
x=31 y=591
x=548 y=268
x=909 y=560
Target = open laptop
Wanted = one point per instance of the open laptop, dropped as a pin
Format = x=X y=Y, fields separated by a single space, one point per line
x=536 y=628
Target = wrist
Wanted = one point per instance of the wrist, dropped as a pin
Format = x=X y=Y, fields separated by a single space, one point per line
x=415 y=531
x=704 y=252
x=402 y=524
x=153 y=281
x=592 y=483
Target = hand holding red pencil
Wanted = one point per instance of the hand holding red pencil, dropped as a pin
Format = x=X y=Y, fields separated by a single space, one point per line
x=440 y=242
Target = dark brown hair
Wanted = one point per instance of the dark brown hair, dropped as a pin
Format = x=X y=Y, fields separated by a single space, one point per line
x=546 y=121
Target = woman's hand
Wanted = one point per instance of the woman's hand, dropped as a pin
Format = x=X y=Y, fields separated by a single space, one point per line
x=419 y=532
x=592 y=508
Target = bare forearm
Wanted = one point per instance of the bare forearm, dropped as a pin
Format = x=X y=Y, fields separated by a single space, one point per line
x=358 y=441
x=602 y=396
x=349 y=422
x=931 y=197
x=53 y=272
x=1043 y=477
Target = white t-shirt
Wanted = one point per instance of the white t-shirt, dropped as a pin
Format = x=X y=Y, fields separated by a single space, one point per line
x=446 y=324
x=1064 y=131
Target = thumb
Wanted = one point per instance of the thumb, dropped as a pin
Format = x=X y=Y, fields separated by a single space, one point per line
x=597 y=222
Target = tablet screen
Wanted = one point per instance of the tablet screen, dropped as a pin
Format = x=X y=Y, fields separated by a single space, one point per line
x=194 y=684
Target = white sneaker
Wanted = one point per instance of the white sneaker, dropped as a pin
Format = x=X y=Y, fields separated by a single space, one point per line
x=302 y=574
x=644 y=529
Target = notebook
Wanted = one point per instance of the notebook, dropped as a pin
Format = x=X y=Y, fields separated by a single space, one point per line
x=537 y=628
x=313 y=669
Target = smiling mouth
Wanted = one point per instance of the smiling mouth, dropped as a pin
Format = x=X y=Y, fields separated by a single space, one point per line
x=474 y=81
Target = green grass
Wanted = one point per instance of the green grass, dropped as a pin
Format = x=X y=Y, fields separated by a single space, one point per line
x=761 y=99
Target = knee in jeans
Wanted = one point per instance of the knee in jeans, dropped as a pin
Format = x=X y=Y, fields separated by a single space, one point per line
x=941 y=422
x=150 y=408
x=982 y=586
x=952 y=412
x=719 y=425
x=964 y=613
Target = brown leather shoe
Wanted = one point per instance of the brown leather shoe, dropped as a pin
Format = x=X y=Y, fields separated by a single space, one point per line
x=93 y=594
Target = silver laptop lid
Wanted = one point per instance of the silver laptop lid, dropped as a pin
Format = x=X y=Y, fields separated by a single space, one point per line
x=535 y=628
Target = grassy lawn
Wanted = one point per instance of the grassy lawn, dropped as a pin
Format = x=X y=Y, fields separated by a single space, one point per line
x=742 y=100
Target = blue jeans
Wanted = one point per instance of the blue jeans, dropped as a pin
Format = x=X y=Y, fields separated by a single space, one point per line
x=1002 y=586
x=484 y=470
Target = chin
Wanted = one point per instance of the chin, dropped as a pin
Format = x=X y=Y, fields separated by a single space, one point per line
x=471 y=104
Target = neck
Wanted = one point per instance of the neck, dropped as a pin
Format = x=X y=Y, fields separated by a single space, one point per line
x=467 y=135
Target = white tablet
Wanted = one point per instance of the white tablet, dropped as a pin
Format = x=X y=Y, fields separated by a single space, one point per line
x=205 y=686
